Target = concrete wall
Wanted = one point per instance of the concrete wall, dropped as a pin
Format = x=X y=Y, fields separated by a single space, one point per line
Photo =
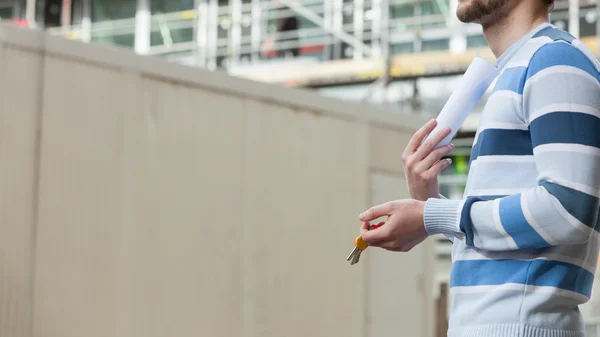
x=142 y=199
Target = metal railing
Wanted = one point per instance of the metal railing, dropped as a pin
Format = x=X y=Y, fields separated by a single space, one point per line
x=234 y=35
x=238 y=31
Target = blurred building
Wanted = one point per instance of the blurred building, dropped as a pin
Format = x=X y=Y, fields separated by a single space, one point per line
x=382 y=51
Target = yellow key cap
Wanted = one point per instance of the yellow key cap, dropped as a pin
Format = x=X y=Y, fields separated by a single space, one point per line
x=359 y=246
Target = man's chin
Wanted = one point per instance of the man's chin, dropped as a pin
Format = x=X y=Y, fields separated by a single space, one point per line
x=479 y=11
x=466 y=14
x=463 y=16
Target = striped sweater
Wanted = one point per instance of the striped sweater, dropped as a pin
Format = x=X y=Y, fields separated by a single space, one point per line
x=525 y=236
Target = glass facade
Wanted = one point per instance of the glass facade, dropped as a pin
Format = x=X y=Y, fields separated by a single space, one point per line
x=434 y=45
x=111 y=20
x=107 y=10
x=165 y=31
x=402 y=48
x=170 y=6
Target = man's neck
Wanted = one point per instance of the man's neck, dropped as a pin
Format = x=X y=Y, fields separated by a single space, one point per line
x=502 y=33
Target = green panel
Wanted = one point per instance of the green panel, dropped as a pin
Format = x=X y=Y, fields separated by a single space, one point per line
x=156 y=39
x=182 y=35
x=430 y=7
x=402 y=48
x=170 y=6
x=402 y=10
x=177 y=36
x=304 y=23
x=6 y=12
x=125 y=40
x=105 y=10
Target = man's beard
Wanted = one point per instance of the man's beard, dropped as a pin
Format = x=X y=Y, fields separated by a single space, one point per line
x=481 y=10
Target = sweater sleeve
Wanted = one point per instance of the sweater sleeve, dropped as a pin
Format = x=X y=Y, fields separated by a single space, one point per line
x=561 y=106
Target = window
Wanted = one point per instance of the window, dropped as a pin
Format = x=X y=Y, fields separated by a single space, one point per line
x=401 y=10
x=169 y=25
x=402 y=48
x=430 y=7
x=6 y=12
x=106 y=10
x=170 y=6
x=587 y=24
x=12 y=9
x=433 y=45
x=476 y=41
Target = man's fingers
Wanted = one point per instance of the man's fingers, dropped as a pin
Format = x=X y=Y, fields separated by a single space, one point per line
x=390 y=245
x=364 y=227
x=377 y=212
x=381 y=223
x=439 y=166
x=434 y=157
x=376 y=236
x=425 y=149
x=395 y=246
x=418 y=137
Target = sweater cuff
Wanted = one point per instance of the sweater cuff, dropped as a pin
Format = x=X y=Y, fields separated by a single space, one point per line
x=442 y=216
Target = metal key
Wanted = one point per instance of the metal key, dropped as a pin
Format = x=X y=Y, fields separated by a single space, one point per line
x=354 y=256
x=360 y=246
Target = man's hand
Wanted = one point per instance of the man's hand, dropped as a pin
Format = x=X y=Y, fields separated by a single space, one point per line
x=422 y=164
x=403 y=230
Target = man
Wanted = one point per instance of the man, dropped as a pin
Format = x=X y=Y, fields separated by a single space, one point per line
x=525 y=237
x=288 y=26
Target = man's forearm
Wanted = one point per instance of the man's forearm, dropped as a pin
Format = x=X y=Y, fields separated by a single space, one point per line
x=533 y=219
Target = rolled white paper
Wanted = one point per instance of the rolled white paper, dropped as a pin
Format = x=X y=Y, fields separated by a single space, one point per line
x=471 y=87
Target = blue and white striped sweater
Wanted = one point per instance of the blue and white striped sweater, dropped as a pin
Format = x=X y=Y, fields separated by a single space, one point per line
x=526 y=238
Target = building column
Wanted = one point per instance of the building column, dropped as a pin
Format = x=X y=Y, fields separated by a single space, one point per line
x=337 y=21
x=458 y=40
x=385 y=29
x=30 y=12
x=328 y=26
x=574 y=18
x=418 y=40
x=65 y=14
x=86 y=21
x=142 y=27
x=201 y=32
x=256 y=30
x=376 y=27
x=212 y=35
x=235 y=37
x=358 y=23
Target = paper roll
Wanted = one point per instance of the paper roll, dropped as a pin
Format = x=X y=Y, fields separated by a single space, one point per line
x=471 y=87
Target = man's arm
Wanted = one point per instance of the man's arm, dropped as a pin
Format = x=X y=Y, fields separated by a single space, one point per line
x=561 y=103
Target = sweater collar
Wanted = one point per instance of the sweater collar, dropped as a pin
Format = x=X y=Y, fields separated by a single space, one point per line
x=514 y=48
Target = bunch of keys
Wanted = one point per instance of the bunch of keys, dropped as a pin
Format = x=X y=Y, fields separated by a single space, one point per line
x=359 y=246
